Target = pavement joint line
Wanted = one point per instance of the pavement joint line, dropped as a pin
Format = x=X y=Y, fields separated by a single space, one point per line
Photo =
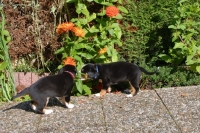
x=168 y=110
x=104 y=115
x=38 y=123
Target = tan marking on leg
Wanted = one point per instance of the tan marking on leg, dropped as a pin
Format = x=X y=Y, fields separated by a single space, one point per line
x=62 y=100
x=47 y=111
x=102 y=93
x=133 y=91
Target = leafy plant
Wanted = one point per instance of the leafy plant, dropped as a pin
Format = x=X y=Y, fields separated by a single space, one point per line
x=186 y=36
x=169 y=77
x=92 y=35
x=6 y=75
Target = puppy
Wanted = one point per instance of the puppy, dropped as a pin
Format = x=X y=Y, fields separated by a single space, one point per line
x=59 y=86
x=113 y=73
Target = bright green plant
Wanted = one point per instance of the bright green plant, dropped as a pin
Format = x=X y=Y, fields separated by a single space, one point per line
x=96 y=33
x=186 y=36
x=6 y=75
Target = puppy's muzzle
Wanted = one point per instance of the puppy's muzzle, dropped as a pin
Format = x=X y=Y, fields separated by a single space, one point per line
x=84 y=76
x=89 y=75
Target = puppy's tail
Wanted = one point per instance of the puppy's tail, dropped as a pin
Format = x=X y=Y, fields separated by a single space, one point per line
x=148 y=73
x=23 y=92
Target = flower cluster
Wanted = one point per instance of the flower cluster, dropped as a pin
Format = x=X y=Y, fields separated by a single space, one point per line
x=102 y=51
x=69 y=26
x=112 y=11
x=69 y=61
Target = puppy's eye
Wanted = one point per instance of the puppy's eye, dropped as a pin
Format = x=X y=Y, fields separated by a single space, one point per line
x=82 y=70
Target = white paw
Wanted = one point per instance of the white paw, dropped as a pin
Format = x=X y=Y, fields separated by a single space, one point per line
x=97 y=94
x=33 y=107
x=47 y=111
x=129 y=95
x=69 y=105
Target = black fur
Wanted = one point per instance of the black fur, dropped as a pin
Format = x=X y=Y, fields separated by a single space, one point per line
x=113 y=73
x=59 y=85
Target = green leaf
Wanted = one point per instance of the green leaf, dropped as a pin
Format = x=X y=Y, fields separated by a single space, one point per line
x=122 y=9
x=85 y=11
x=6 y=36
x=198 y=69
x=86 y=55
x=111 y=31
x=83 y=21
x=59 y=50
x=102 y=2
x=93 y=29
x=118 y=33
x=80 y=7
x=165 y=57
x=3 y=65
x=71 y=1
x=119 y=16
x=179 y=45
x=114 y=55
x=87 y=90
x=101 y=13
x=182 y=27
x=115 y=25
x=92 y=17
x=79 y=86
x=172 y=27
x=89 y=0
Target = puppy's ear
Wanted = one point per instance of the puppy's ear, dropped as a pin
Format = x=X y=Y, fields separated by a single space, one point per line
x=61 y=71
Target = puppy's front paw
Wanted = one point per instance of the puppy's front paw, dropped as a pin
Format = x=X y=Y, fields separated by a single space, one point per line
x=69 y=105
x=129 y=95
x=47 y=111
x=97 y=94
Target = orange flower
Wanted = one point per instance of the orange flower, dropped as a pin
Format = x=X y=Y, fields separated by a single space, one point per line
x=69 y=61
x=78 y=31
x=64 y=27
x=112 y=11
x=102 y=51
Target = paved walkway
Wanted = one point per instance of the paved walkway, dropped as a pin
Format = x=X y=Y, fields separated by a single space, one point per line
x=168 y=110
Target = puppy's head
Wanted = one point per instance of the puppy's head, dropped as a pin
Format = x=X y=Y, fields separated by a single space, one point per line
x=69 y=68
x=89 y=71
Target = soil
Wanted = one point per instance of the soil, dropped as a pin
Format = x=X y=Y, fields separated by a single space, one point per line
x=31 y=25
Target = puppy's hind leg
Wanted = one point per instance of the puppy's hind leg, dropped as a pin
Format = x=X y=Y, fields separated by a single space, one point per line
x=134 y=87
x=102 y=92
x=40 y=107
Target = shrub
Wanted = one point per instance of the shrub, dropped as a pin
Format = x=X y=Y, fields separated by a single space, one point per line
x=7 y=87
x=91 y=35
x=185 y=26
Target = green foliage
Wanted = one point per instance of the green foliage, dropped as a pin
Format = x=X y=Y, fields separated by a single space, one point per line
x=102 y=33
x=168 y=77
x=186 y=36
x=145 y=31
x=6 y=75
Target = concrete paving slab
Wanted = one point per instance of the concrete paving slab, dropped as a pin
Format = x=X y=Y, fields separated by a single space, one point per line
x=85 y=117
x=169 y=110
x=17 y=118
x=184 y=105
x=143 y=113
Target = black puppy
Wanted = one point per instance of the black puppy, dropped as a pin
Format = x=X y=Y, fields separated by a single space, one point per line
x=59 y=86
x=113 y=73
